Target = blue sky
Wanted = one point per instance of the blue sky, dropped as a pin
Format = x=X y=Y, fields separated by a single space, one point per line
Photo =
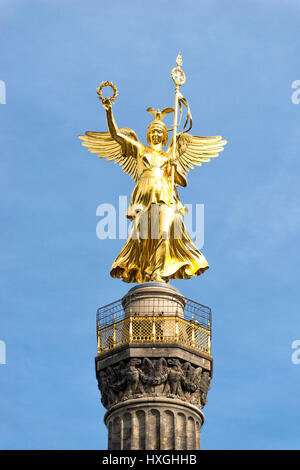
x=240 y=58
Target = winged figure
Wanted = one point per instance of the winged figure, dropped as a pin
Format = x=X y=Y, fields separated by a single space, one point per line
x=154 y=372
x=159 y=247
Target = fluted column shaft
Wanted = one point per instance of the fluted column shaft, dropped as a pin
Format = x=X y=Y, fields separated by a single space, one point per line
x=158 y=425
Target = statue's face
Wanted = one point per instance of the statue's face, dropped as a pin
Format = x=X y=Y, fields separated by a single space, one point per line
x=156 y=136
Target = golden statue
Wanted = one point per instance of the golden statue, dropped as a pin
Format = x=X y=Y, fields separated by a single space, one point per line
x=158 y=247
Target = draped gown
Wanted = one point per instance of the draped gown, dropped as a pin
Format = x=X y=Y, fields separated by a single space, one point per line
x=159 y=247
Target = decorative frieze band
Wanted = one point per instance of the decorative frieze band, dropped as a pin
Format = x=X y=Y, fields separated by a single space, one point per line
x=169 y=377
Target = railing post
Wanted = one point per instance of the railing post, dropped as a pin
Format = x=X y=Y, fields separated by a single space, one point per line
x=153 y=328
x=98 y=339
x=130 y=327
x=176 y=326
x=208 y=339
x=115 y=333
x=193 y=332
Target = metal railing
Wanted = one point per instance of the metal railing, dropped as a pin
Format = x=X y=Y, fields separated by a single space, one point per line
x=116 y=328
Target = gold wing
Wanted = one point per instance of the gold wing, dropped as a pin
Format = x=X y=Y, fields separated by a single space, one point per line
x=107 y=147
x=193 y=150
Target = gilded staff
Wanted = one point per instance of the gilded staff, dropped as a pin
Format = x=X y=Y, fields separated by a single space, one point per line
x=178 y=78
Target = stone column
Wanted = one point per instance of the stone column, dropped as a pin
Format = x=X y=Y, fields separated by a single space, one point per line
x=154 y=392
x=154 y=425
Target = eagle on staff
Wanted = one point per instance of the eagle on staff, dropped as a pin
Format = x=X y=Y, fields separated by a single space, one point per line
x=159 y=247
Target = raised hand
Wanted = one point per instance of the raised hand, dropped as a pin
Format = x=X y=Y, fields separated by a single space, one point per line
x=106 y=104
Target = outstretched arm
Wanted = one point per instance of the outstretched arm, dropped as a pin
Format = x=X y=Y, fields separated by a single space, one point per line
x=112 y=126
x=120 y=145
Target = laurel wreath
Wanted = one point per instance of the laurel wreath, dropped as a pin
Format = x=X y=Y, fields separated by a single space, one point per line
x=112 y=86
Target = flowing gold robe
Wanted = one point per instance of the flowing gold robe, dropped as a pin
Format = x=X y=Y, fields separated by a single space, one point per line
x=159 y=247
